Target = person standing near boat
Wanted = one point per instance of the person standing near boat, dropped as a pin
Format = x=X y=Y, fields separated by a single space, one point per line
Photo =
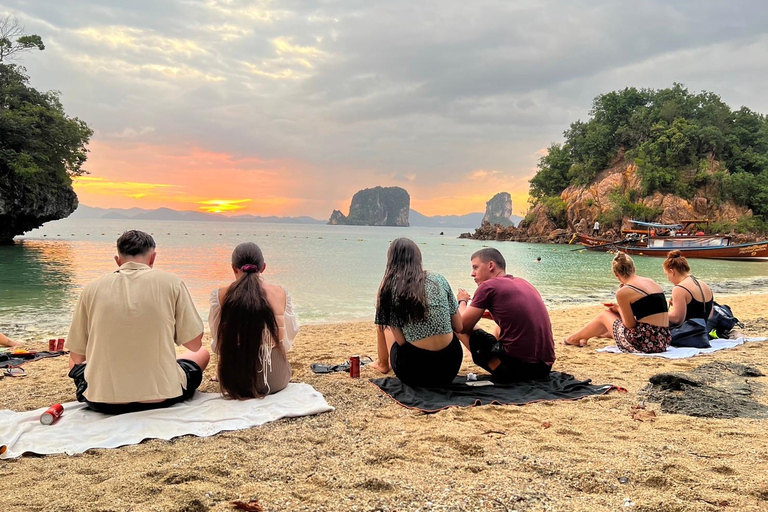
x=691 y=297
x=596 y=228
x=638 y=321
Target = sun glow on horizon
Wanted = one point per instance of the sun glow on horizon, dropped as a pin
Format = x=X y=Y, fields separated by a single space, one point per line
x=222 y=205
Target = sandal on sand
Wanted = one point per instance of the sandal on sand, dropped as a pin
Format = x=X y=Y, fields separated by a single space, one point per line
x=15 y=371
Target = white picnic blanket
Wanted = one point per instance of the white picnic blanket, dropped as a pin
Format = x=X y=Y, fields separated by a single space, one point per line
x=80 y=429
x=682 y=353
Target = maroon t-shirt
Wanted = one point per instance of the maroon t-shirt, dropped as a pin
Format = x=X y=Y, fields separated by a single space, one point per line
x=518 y=309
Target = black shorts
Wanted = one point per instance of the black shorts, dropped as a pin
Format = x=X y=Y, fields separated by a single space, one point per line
x=194 y=379
x=426 y=368
x=484 y=347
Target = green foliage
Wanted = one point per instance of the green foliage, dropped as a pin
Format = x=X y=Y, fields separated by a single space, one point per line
x=14 y=39
x=743 y=226
x=556 y=210
x=672 y=135
x=624 y=204
x=38 y=142
x=552 y=176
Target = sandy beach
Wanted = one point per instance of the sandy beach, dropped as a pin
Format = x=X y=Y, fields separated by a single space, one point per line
x=372 y=454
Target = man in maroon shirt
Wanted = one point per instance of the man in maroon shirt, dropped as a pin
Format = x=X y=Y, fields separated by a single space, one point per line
x=522 y=346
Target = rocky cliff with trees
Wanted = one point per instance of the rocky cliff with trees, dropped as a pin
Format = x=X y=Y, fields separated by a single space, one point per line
x=378 y=206
x=654 y=155
x=41 y=149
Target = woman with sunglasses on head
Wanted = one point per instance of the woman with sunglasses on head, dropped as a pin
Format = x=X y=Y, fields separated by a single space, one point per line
x=416 y=320
x=253 y=326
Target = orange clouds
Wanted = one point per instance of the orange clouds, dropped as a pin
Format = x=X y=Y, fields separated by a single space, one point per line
x=128 y=174
x=470 y=195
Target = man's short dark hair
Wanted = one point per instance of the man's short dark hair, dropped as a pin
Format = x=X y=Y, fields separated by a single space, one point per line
x=134 y=242
x=491 y=254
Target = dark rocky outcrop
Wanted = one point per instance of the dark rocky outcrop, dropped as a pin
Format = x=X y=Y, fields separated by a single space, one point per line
x=27 y=205
x=378 y=206
x=498 y=210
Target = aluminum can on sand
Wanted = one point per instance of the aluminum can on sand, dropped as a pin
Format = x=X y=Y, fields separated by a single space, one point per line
x=60 y=345
x=52 y=345
x=354 y=367
x=53 y=413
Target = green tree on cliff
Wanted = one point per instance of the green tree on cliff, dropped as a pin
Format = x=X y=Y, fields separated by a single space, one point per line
x=41 y=149
x=14 y=39
x=672 y=135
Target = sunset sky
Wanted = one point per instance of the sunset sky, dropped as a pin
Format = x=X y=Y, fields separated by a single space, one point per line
x=290 y=107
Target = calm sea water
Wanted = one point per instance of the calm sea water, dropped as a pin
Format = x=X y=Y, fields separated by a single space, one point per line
x=332 y=272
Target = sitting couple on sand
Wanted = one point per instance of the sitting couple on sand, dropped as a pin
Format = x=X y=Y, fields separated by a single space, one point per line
x=639 y=321
x=421 y=326
x=127 y=324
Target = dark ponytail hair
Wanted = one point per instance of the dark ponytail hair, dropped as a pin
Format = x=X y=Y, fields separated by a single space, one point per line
x=677 y=262
x=402 y=296
x=247 y=322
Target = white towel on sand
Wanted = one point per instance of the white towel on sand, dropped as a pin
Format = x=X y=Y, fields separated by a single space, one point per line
x=682 y=353
x=206 y=414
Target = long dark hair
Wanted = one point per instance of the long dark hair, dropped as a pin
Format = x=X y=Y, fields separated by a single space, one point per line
x=246 y=318
x=402 y=297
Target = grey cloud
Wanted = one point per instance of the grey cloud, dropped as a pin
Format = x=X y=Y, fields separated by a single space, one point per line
x=433 y=88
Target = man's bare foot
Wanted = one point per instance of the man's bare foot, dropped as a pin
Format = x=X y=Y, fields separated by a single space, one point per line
x=380 y=367
x=576 y=343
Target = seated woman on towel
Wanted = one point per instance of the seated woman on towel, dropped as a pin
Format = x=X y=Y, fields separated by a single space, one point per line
x=5 y=341
x=253 y=326
x=416 y=316
x=639 y=321
x=691 y=297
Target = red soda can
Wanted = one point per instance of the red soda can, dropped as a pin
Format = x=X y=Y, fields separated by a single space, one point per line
x=52 y=345
x=354 y=367
x=53 y=413
x=60 y=345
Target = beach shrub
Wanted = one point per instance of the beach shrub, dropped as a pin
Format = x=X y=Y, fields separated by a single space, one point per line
x=556 y=210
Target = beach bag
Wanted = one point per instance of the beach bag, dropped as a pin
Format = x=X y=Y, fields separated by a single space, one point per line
x=722 y=321
x=692 y=333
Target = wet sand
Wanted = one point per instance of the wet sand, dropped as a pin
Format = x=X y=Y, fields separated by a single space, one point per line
x=372 y=454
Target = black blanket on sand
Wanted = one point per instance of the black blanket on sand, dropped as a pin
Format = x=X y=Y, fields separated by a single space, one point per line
x=8 y=359
x=559 y=386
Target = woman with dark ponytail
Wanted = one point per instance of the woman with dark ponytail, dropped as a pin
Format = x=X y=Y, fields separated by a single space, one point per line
x=253 y=325
x=416 y=316
x=691 y=297
x=638 y=321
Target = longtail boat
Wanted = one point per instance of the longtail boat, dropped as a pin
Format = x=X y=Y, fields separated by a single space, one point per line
x=659 y=239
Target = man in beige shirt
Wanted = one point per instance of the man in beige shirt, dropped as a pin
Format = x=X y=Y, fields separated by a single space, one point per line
x=126 y=326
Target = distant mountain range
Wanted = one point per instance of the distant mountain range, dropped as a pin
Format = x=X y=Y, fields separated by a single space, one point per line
x=470 y=220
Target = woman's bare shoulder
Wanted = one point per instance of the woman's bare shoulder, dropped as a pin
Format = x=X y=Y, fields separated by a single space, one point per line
x=275 y=296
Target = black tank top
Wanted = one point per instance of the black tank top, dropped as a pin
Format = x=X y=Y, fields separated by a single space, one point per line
x=650 y=304
x=697 y=308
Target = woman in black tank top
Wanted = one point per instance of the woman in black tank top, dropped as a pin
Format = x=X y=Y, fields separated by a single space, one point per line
x=691 y=297
x=638 y=321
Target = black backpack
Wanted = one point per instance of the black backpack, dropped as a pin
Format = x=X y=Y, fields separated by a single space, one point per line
x=722 y=321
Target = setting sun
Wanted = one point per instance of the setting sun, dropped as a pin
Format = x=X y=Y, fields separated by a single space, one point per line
x=222 y=205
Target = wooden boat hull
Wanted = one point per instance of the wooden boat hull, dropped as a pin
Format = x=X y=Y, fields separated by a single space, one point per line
x=756 y=251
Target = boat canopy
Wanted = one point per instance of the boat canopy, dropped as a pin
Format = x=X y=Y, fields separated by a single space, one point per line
x=656 y=225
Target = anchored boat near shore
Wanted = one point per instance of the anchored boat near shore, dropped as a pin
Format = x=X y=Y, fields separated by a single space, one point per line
x=658 y=239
